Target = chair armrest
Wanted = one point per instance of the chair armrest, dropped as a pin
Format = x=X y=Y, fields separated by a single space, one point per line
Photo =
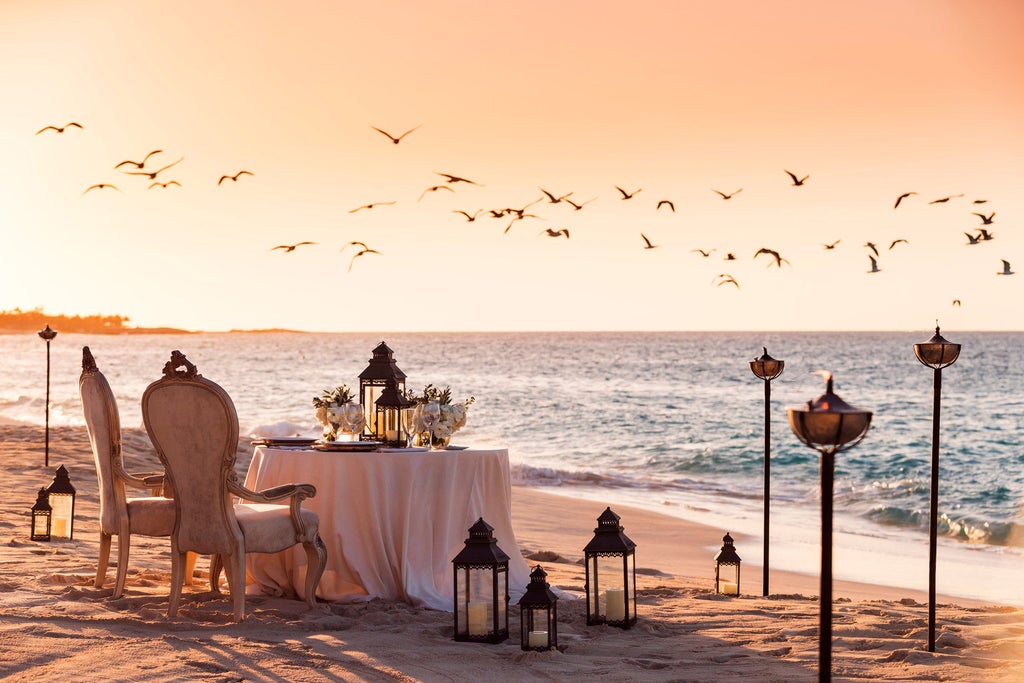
x=154 y=481
x=274 y=494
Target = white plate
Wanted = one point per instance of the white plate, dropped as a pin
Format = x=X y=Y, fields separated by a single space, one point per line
x=283 y=441
x=413 y=449
x=456 y=448
x=341 y=446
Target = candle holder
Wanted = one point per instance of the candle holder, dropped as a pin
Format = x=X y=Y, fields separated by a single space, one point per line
x=372 y=382
x=538 y=615
x=61 y=496
x=610 y=574
x=388 y=422
x=481 y=588
x=727 y=568
x=41 y=512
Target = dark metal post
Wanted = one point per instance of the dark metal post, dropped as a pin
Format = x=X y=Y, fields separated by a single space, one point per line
x=933 y=515
x=828 y=466
x=767 y=476
x=47 y=335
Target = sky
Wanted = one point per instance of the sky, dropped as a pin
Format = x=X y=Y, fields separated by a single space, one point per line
x=870 y=100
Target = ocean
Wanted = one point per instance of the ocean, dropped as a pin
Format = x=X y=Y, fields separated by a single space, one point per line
x=667 y=421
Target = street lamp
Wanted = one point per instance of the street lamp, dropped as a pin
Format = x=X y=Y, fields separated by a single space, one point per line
x=767 y=368
x=936 y=353
x=829 y=425
x=47 y=334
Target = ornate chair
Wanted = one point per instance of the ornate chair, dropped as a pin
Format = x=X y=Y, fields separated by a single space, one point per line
x=120 y=515
x=194 y=427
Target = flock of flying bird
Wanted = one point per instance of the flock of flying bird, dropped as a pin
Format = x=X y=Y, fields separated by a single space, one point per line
x=982 y=234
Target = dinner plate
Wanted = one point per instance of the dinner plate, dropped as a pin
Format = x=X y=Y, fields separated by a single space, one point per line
x=283 y=441
x=411 y=449
x=350 y=446
x=456 y=448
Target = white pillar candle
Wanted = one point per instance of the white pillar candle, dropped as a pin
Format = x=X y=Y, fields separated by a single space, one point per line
x=728 y=588
x=59 y=528
x=477 y=619
x=538 y=639
x=615 y=604
x=392 y=435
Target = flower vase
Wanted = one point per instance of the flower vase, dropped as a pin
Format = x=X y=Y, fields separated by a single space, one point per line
x=437 y=443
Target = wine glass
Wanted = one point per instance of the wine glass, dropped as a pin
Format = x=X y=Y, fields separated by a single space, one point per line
x=431 y=415
x=410 y=422
x=354 y=418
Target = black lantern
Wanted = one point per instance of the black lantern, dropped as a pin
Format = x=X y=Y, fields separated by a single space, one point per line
x=829 y=425
x=61 y=495
x=936 y=353
x=388 y=421
x=766 y=368
x=538 y=616
x=41 y=517
x=374 y=379
x=481 y=587
x=727 y=568
x=47 y=335
x=610 y=574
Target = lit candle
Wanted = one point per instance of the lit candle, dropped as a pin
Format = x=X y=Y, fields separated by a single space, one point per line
x=728 y=588
x=538 y=639
x=478 y=619
x=615 y=604
x=391 y=435
x=59 y=527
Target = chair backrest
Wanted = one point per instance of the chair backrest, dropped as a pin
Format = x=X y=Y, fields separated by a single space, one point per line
x=194 y=428
x=104 y=426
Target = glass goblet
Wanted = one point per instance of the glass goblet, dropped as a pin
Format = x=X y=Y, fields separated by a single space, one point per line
x=410 y=421
x=354 y=419
x=431 y=415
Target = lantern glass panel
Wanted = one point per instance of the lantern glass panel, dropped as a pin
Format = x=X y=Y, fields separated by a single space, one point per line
x=537 y=628
x=40 y=525
x=631 y=586
x=728 y=579
x=62 y=505
x=612 y=595
x=475 y=589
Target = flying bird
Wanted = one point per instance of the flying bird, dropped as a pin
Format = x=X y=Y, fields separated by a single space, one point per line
x=627 y=195
x=520 y=212
x=551 y=232
x=60 y=130
x=956 y=302
x=138 y=164
x=874 y=265
x=354 y=243
x=434 y=188
x=729 y=257
x=666 y=202
x=164 y=185
x=359 y=253
x=972 y=239
x=980 y=201
x=727 y=196
x=647 y=242
x=1006 y=268
x=456 y=179
x=392 y=137
x=831 y=246
x=901 y=198
x=986 y=220
x=469 y=218
x=703 y=253
x=552 y=198
x=943 y=200
x=152 y=176
x=576 y=206
x=288 y=248
x=984 y=235
x=519 y=217
x=774 y=254
x=872 y=247
x=234 y=177
x=897 y=241
x=102 y=186
x=797 y=182
x=725 y=279
x=369 y=206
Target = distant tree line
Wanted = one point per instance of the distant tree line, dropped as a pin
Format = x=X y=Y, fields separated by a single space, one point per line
x=17 y=320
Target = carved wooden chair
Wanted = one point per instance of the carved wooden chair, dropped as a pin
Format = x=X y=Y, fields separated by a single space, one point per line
x=194 y=427
x=120 y=515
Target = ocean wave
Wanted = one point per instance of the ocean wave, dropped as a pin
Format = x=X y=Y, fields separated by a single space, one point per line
x=964 y=529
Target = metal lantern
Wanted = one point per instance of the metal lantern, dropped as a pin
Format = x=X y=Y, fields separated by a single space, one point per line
x=388 y=419
x=374 y=379
x=727 y=568
x=61 y=496
x=41 y=517
x=766 y=368
x=538 y=616
x=610 y=574
x=481 y=588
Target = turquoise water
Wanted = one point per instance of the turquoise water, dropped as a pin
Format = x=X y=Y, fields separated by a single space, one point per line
x=668 y=421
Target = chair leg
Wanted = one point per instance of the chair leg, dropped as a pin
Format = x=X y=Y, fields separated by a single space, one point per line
x=190 y=568
x=316 y=561
x=216 y=566
x=177 y=578
x=123 y=548
x=104 y=559
x=235 y=567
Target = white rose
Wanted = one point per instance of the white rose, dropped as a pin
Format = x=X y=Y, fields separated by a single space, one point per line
x=321 y=414
x=442 y=430
x=458 y=416
x=335 y=413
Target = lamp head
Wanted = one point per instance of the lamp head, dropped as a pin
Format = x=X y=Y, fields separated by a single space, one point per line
x=937 y=353
x=828 y=423
x=766 y=367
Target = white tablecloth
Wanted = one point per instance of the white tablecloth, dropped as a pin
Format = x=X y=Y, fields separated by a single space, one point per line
x=392 y=522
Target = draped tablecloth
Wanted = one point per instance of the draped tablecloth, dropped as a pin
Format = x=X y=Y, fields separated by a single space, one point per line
x=392 y=521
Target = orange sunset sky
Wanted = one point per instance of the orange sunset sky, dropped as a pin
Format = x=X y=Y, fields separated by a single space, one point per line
x=869 y=99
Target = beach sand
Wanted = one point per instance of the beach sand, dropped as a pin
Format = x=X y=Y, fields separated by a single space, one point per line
x=54 y=625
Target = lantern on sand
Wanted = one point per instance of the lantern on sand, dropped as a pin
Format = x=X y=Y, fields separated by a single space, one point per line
x=727 y=568
x=610 y=574
x=538 y=617
x=481 y=587
x=41 y=517
x=61 y=495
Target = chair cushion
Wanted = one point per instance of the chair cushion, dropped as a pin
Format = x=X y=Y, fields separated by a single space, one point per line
x=268 y=528
x=151 y=516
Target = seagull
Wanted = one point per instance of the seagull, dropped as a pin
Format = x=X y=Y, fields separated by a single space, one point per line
x=943 y=200
x=288 y=248
x=797 y=182
x=874 y=265
x=725 y=279
x=519 y=217
x=729 y=257
x=576 y=206
x=667 y=203
x=831 y=246
x=520 y=212
x=1006 y=268
x=138 y=164
x=956 y=302
x=234 y=177
x=627 y=195
x=60 y=130
x=984 y=235
x=101 y=186
x=551 y=232
x=727 y=196
x=986 y=220
x=456 y=179
x=703 y=253
x=434 y=188
x=774 y=254
x=971 y=239
x=469 y=218
x=360 y=253
x=552 y=198
x=152 y=176
x=872 y=247
x=901 y=198
x=164 y=185
x=647 y=242
x=392 y=137
x=897 y=241
x=354 y=243
x=980 y=201
x=370 y=206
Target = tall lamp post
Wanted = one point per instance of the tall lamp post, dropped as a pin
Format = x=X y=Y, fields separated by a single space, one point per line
x=767 y=368
x=936 y=353
x=47 y=334
x=829 y=425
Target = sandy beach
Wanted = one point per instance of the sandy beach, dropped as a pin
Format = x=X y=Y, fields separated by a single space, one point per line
x=55 y=625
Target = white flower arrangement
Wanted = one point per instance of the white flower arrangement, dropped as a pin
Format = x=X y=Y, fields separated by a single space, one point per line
x=453 y=413
x=330 y=411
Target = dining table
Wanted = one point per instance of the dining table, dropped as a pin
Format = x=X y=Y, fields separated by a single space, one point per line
x=392 y=520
